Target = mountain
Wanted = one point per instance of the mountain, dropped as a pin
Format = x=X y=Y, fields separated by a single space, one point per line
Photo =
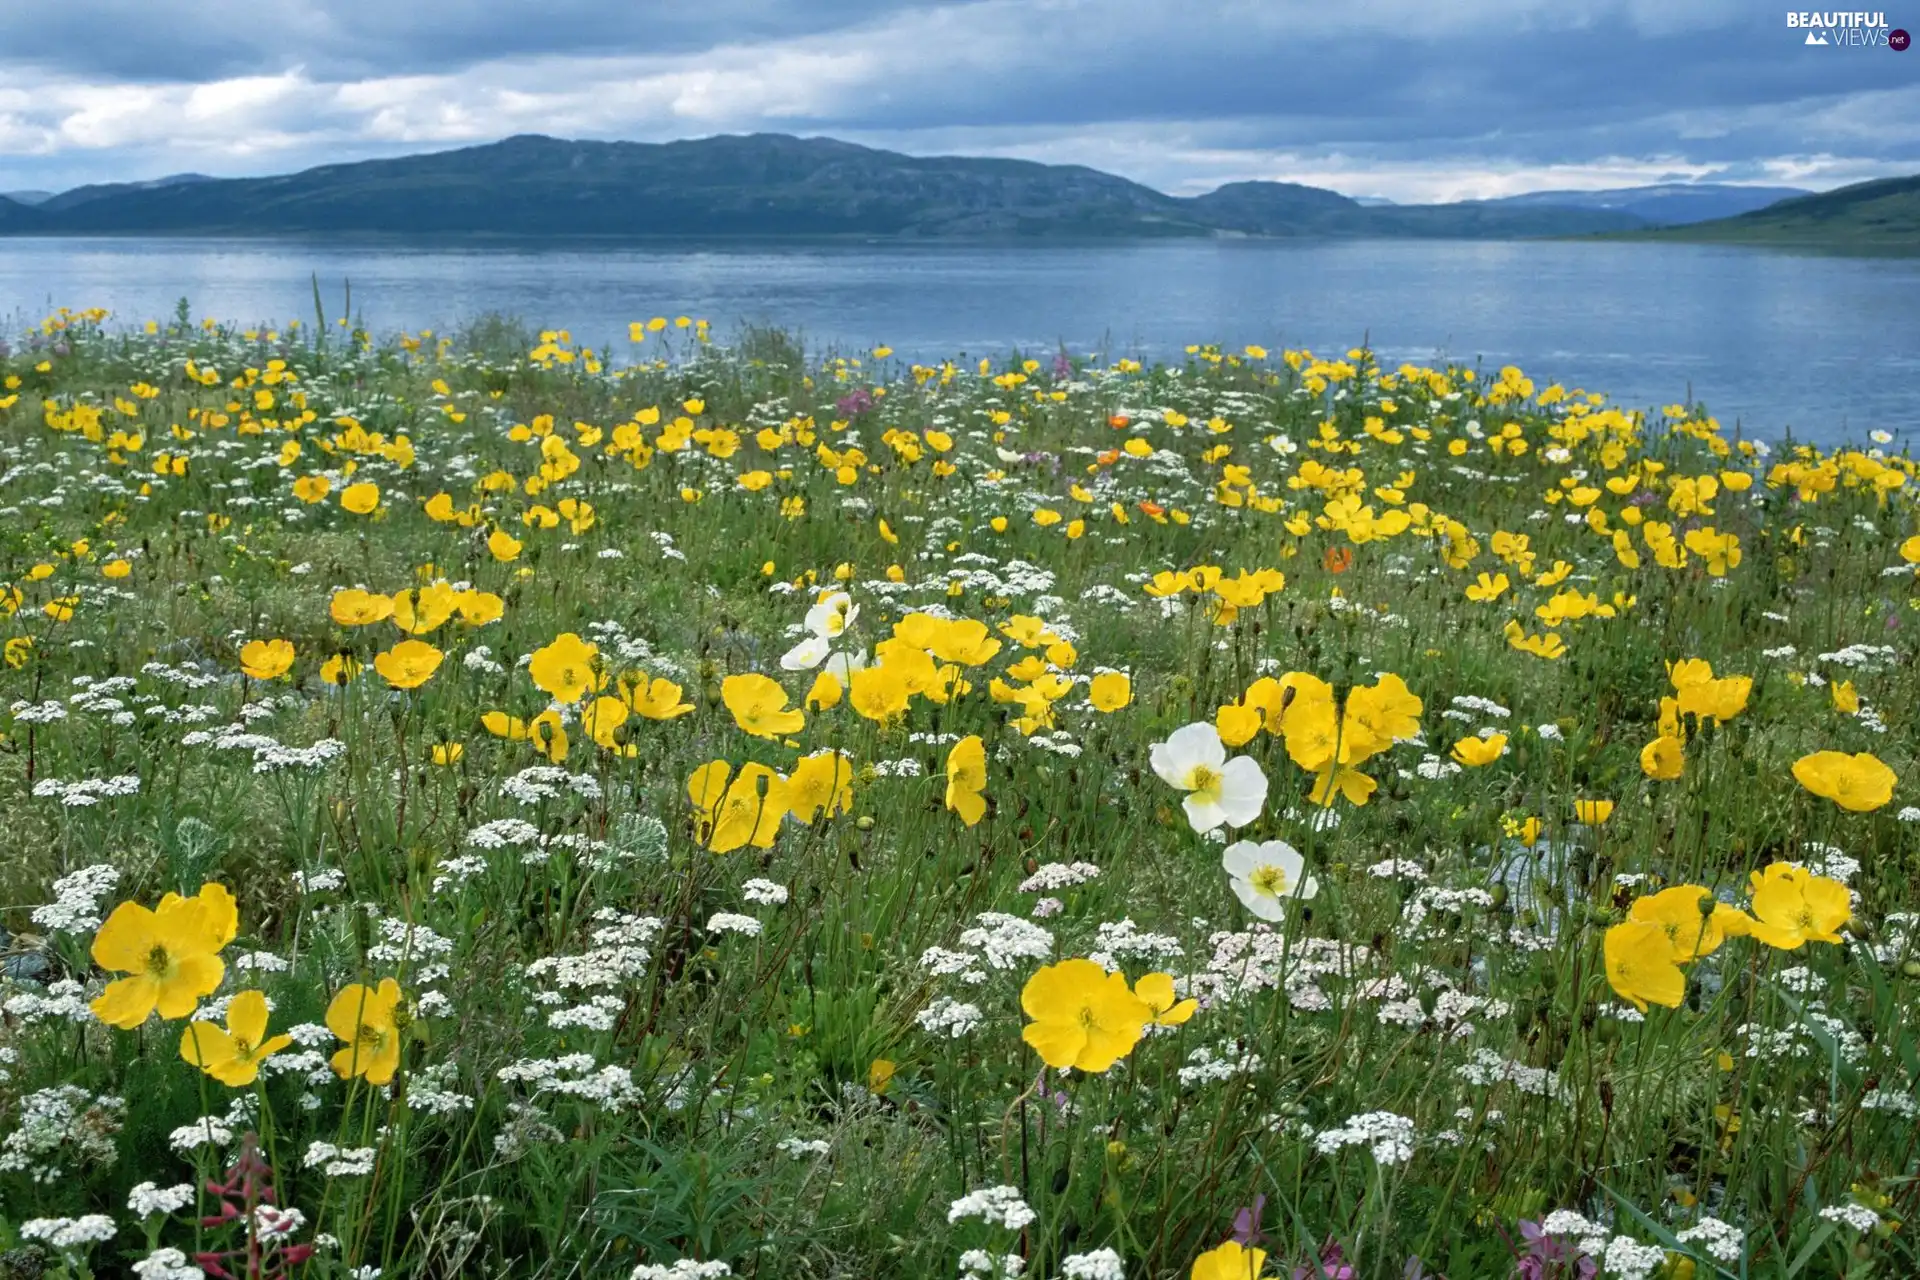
x=1882 y=214
x=15 y=216
x=767 y=185
x=1665 y=204
x=27 y=197
x=753 y=185
x=761 y=184
x=81 y=195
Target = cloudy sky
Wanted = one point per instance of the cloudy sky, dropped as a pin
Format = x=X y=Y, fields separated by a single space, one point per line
x=1401 y=98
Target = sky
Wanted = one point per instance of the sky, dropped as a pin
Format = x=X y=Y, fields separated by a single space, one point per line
x=1406 y=99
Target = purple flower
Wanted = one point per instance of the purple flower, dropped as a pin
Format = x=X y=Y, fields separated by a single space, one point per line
x=854 y=404
x=1246 y=1222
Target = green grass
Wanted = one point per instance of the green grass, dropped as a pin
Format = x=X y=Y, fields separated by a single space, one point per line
x=1447 y=972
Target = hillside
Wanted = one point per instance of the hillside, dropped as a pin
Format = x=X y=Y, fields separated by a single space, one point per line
x=755 y=185
x=1664 y=204
x=1880 y=215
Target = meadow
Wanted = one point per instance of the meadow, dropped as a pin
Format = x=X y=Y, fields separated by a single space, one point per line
x=481 y=805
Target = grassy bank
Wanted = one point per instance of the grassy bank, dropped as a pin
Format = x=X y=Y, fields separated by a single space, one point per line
x=480 y=806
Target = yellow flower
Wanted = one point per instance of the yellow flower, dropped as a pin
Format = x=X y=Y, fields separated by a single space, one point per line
x=409 y=664
x=1592 y=812
x=311 y=489
x=1110 y=691
x=116 y=569
x=602 y=719
x=879 y=1075
x=340 y=668
x=360 y=498
x=1845 y=699
x=1488 y=588
x=369 y=1019
x=1229 y=1262
x=355 y=608
x=265 y=659
x=1860 y=783
x=171 y=953
x=1694 y=922
x=879 y=693
x=564 y=669
x=1083 y=1016
x=658 y=699
x=820 y=783
x=233 y=1056
x=1475 y=752
x=1640 y=965
x=503 y=545
x=418 y=612
x=1167 y=1008
x=826 y=692
x=729 y=816
x=448 y=753
x=1664 y=759
x=1792 y=907
x=759 y=706
x=967 y=779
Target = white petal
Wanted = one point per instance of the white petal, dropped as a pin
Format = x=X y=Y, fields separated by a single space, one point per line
x=1185 y=749
x=1242 y=859
x=1259 y=903
x=1204 y=815
x=1243 y=790
x=806 y=655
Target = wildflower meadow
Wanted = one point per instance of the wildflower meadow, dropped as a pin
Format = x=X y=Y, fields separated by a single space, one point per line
x=487 y=804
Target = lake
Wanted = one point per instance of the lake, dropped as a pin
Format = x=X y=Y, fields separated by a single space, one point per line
x=1825 y=346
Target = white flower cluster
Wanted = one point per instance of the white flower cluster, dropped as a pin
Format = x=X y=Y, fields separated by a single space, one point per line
x=70 y=1233
x=1388 y=1136
x=978 y=1262
x=339 y=1162
x=1722 y=1241
x=1851 y=1214
x=87 y=792
x=684 y=1269
x=1051 y=877
x=1206 y=1067
x=60 y=1129
x=149 y=1198
x=949 y=1017
x=1003 y=940
x=1125 y=941
x=1101 y=1264
x=576 y=1075
x=76 y=900
x=731 y=922
x=547 y=782
x=167 y=1264
x=997 y=1206
x=764 y=893
x=802 y=1148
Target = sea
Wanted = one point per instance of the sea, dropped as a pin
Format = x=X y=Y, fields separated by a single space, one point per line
x=1812 y=346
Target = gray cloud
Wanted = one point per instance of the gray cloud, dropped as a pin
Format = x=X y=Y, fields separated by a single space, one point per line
x=1397 y=97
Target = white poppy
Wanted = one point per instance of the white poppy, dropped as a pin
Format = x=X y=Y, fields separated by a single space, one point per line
x=806 y=655
x=1263 y=874
x=843 y=665
x=833 y=615
x=1218 y=790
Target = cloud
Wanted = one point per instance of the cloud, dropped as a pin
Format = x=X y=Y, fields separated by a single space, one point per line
x=1396 y=97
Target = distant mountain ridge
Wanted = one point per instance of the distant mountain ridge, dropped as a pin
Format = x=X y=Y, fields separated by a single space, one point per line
x=1883 y=214
x=765 y=185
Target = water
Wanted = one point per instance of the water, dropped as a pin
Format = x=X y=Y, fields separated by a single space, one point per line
x=1826 y=346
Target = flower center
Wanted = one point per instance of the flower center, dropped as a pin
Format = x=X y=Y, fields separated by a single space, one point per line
x=1204 y=781
x=159 y=963
x=1269 y=880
